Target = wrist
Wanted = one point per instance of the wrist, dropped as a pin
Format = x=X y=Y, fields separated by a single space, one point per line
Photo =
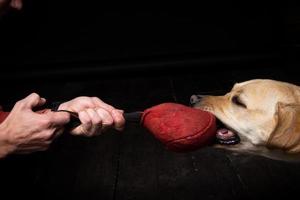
x=5 y=147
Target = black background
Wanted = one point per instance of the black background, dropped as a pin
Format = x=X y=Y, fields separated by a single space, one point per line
x=58 y=35
x=134 y=57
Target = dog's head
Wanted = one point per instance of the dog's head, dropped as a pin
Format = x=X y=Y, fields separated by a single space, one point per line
x=262 y=112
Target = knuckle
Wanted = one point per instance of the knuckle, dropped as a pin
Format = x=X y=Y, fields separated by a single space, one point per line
x=108 y=122
x=97 y=120
x=35 y=95
x=46 y=122
x=102 y=112
x=48 y=136
x=84 y=118
x=88 y=121
x=20 y=103
x=90 y=110
x=86 y=101
x=96 y=99
x=119 y=122
x=83 y=98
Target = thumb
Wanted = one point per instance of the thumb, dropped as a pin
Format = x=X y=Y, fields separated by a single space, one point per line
x=33 y=100
x=58 y=118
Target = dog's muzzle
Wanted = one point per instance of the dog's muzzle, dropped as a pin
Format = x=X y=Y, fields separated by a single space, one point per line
x=194 y=99
x=223 y=134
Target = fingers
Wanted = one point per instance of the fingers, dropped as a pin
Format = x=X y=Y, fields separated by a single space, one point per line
x=94 y=122
x=97 y=122
x=57 y=119
x=95 y=115
x=119 y=120
x=34 y=100
x=31 y=101
x=116 y=114
x=86 y=125
x=28 y=131
x=106 y=117
x=95 y=118
x=99 y=103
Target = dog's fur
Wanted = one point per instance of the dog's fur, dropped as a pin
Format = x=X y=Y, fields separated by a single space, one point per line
x=264 y=113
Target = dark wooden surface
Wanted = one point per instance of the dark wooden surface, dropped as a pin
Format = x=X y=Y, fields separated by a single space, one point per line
x=132 y=164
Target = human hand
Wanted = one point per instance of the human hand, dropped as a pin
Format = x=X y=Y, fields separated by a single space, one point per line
x=95 y=115
x=25 y=131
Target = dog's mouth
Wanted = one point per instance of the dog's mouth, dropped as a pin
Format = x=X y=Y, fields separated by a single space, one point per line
x=226 y=136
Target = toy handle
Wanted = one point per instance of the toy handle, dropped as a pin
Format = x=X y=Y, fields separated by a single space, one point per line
x=132 y=117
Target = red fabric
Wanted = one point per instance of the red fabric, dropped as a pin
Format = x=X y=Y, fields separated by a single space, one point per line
x=3 y=116
x=180 y=128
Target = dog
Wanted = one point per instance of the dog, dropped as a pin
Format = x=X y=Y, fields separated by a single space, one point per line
x=265 y=115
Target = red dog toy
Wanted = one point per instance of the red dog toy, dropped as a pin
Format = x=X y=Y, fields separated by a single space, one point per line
x=178 y=127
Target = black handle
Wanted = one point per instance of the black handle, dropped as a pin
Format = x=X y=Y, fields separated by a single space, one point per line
x=74 y=121
x=132 y=117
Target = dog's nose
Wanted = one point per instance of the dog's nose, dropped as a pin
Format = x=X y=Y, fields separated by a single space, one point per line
x=195 y=99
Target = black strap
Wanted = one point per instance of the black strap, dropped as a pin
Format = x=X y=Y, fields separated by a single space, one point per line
x=74 y=121
x=55 y=105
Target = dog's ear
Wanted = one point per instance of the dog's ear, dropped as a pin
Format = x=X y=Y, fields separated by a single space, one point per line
x=286 y=133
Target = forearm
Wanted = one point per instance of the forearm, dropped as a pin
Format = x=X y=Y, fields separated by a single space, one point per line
x=4 y=150
x=5 y=147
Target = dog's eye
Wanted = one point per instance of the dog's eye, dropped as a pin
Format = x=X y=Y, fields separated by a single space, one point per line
x=237 y=101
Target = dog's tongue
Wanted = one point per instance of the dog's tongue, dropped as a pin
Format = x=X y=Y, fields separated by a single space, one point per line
x=226 y=136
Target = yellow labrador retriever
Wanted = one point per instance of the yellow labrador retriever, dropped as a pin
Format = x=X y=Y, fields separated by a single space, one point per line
x=265 y=114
